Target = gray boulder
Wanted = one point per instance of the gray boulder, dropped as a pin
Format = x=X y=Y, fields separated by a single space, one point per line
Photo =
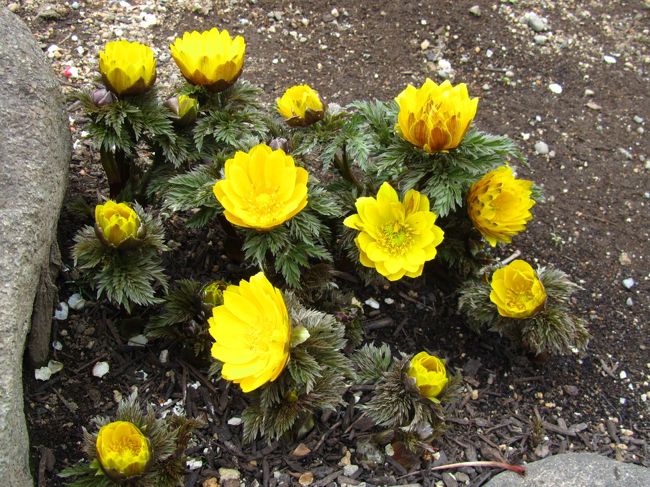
x=576 y=470
x=34 y=155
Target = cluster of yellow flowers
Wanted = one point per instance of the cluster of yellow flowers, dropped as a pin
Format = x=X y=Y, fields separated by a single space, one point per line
x=264 y=188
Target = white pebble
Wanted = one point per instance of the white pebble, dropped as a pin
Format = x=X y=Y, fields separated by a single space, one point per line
x=609 y=59
x=555 y=88
x=234 y=421
x=637 y=119
x=193 y=463
x=389 y=300
x=629 y=283
x=629 y=302
x=138 y=341
x=164 y=356
x=100 y=369
x=350 y=470
x=541 y=148
x=61 y=311
x=373 y=303
x=57 y=345
x=622 y=374
x=76 y=301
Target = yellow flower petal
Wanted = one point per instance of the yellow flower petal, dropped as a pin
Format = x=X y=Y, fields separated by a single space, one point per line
x=116 y=223
x=122 y=450
x=430 y=375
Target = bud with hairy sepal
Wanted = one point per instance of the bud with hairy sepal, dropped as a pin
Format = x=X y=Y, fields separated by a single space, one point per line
x=102 y=97
x=185 y=109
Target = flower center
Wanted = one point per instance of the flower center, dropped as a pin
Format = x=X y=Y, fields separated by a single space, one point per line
x=265 y=205
x=396 y=237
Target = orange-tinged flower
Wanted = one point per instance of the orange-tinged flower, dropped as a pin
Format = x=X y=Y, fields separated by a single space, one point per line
x=301 y=106
x=210 y=58
x=435 y=117
x=122 y=450
x=252 y=333
x=430 y=375
x=127 y=68
x=499 y=205
x=517 y=291
x=116 y=223
x=396 y=238
x=262 y=189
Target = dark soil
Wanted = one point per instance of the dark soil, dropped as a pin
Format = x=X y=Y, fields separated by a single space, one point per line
x=593 y=226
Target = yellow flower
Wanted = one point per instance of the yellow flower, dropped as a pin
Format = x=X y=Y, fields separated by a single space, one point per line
x=210 y=58
x=435 y=117
x=252 y=333
x=127 y=68
x=396 y=238
x=517 y=291
x=301 y=106
x=116 y=223
x=122 y=450
x=499 y=205
x=430 y=375
x=262 y=189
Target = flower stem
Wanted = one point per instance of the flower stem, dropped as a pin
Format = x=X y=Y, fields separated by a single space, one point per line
x=343 y=165
x=519 y=469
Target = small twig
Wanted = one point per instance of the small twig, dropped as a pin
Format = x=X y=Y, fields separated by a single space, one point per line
x=507 y=260
x=519 y=469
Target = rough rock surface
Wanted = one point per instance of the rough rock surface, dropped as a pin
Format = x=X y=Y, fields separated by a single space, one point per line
x=575 y=470
x=34 y=154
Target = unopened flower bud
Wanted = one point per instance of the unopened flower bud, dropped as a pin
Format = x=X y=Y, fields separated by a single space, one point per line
x=102 y=97
x=279 y=143
x=184 y=107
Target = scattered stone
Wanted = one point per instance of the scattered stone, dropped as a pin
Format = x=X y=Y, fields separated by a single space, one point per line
x=609 y=59
x=444 y=69
x=575 y=470
x=622 y=375
x=541 y=148
x=138 y=341
x=555 y=88
x=624 y=259
x=629 y=302
x=475 y=11
x=164 y=356
x=571 y=390
x=335 y=13
x=540 y=39
x=306 y=478
x=424 y=45
x=234 y=421
x=229 y=477
x=76 y=301
x=589 y=92
x=593 y=105
x=629 y=283
x=211 y=482
x=301 y=450
x=368 y=453
x=13 y=7
x=350 y=470
x=61 y=311
x=637 y=119
x=51 y=11
x=625 y=153
x=193 y=463
x=535 y=22
x=44 y=373
x=373 y=303
x=100 y=369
